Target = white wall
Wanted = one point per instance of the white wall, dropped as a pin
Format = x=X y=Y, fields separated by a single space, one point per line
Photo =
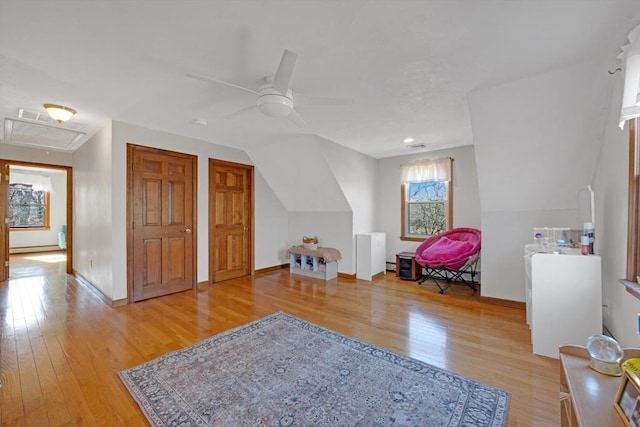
x=536 y=142
x=466 y=202
x=334 y=230
x=57 y=213
x=24 y=154
x=297 y=171
x=327 y=189
x=356 y=175
x=93 y=230
x=611 y=201
x=271 y=226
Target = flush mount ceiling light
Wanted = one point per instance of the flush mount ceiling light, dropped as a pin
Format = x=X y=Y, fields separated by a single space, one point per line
x=411 y=143
x=200 y=122
x=59 y=112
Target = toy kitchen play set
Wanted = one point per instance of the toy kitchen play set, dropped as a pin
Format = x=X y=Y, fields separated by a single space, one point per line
x=563 y=283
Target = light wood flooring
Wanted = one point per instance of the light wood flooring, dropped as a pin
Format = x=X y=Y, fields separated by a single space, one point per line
x=62 y=347
x=37 y=264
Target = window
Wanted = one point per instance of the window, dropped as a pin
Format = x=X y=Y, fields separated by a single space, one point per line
x=630 y=112
x=633 y=227
x=426 y=198
x=28 y=208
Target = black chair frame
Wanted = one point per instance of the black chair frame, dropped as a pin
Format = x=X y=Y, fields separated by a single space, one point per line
x=466 y=274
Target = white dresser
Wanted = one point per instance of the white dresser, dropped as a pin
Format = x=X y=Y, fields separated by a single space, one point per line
x=564 y=300
x=371 y=255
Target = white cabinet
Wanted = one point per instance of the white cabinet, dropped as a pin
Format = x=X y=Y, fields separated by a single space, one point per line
x=371 y=255
x=529 y=251
x=566 y=301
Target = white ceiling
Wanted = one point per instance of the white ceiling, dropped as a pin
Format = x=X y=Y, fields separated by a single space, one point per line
x=409 y=65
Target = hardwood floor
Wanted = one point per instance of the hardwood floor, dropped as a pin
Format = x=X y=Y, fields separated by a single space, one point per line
x=62 y=347
x=37 y=264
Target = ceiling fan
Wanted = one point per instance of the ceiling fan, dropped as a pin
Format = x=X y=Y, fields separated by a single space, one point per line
x=275 y=98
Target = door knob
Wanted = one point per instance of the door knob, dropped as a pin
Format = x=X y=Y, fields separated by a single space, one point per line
x=188 y=230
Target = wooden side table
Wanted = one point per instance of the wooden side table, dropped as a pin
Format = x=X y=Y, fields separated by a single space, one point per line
x=586 y=396
x=406 y=266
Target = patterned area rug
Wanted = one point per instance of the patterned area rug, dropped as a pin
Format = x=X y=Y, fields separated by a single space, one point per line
x=283 y=371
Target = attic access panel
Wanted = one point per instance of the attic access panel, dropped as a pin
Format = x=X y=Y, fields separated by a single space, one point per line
x=42 y=135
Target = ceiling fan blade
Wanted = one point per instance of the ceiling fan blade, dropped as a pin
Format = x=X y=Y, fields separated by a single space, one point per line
x=301 y=99
x=211 y=80
x=242 y=112
x=283 y=76
x=296 y=119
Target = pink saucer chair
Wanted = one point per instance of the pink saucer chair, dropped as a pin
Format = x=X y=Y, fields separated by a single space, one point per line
x=450 y=256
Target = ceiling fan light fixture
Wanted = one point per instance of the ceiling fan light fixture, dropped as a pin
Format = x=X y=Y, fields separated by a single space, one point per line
x=275 y=105
x=59 y=112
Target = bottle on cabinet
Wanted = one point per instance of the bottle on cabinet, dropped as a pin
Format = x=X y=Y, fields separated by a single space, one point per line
x=584 y=245
x=590 y=233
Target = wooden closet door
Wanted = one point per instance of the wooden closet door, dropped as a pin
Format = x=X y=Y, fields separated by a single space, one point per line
x=4 y=221
x=230 y=220
x=162 y=224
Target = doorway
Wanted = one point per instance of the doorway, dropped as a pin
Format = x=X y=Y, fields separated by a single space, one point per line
x=35 y=237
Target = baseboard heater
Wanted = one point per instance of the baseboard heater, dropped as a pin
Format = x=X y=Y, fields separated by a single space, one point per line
x=30 y=249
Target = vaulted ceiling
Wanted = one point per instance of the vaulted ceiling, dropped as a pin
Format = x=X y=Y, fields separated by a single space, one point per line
x=408 y=66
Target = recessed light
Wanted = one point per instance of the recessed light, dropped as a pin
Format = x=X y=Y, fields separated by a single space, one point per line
x=408 y=140
x=201 y=122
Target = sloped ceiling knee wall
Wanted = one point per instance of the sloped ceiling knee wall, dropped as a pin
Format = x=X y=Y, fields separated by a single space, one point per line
x=300 y=176
x=537 y=142
x=328 y=190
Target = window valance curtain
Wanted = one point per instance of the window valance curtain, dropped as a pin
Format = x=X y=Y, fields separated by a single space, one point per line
x=630 y=57
x=426 y=170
